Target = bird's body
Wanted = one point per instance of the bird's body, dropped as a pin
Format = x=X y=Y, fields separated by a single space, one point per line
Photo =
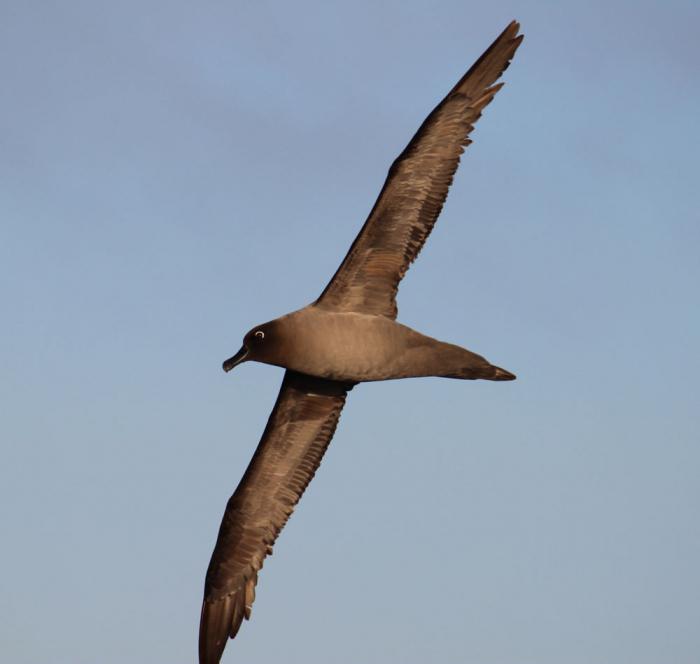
x=354 y=347
x=347 y=336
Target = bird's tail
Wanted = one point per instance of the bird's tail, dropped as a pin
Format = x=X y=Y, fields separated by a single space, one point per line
x=485 y=372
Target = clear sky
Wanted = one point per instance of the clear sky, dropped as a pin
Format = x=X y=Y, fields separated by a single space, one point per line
x=173 y=173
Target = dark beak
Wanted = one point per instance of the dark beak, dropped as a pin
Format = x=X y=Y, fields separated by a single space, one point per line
x=239 y=357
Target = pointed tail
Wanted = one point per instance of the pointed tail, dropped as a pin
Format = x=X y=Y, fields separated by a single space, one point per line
x=485 y=372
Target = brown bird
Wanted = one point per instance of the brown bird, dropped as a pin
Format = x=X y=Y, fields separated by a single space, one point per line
x=347 y=336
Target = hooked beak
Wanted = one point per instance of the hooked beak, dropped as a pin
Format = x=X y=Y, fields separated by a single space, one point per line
x=239 y=357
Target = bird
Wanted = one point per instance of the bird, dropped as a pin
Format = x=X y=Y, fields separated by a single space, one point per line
x=348 y=335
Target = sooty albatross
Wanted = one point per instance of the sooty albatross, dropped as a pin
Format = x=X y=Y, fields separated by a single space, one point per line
x=348 y=335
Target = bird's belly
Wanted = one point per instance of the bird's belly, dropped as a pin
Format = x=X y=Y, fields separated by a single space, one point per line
x=354 y=347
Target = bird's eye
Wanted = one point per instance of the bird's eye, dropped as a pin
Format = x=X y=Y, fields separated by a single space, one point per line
x=259 y=334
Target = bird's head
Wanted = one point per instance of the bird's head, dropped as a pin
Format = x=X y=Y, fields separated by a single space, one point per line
x=258 y=344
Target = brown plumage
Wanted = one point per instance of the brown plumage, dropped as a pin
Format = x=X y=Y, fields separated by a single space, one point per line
x=296 y=436
x=348 y=335
x=415 y=190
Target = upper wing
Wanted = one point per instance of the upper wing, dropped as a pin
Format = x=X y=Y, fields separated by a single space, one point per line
x=296 y=436
x=415 y=191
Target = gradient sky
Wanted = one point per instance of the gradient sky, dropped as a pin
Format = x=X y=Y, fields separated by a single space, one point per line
x=173 y=173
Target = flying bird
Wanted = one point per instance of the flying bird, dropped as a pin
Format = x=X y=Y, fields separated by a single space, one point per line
x=347 y=336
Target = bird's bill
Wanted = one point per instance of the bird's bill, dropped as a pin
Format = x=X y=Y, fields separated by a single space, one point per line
x=239 y=357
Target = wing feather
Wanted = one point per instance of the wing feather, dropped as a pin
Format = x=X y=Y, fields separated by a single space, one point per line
x=297 y=435
x=415 y=191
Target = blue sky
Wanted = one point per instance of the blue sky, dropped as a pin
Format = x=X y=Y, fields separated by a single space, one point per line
x=173 y=173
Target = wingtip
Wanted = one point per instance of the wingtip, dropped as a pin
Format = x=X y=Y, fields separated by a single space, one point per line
x=513 y=27
x=511 y=34
x=214 y=629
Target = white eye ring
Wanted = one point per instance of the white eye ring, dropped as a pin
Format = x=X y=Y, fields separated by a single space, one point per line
x=260 y=334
